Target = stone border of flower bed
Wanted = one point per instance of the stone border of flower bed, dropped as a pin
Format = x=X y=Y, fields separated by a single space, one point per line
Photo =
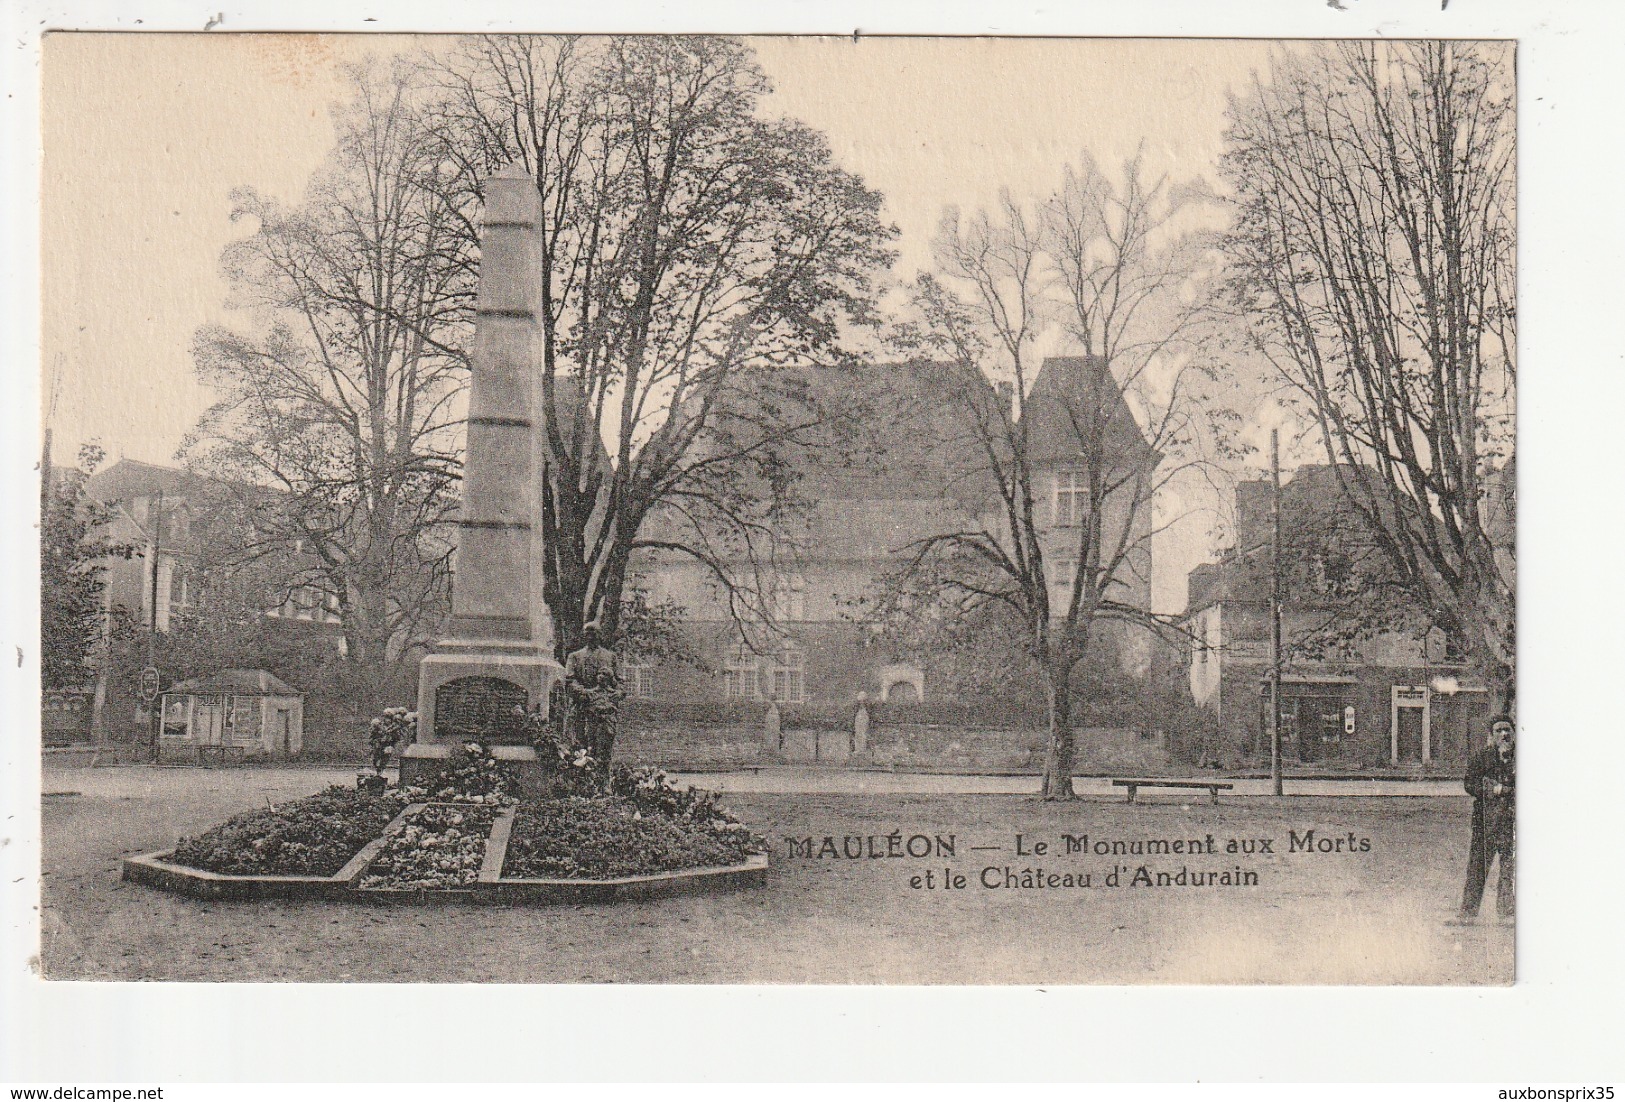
x=751 y=874
x=495 y=889
x=153 y=870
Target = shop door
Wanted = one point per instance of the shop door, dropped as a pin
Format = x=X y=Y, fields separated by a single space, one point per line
x=1408 y=735
x=209 y=722
x=284 y=731
x=1319 y=725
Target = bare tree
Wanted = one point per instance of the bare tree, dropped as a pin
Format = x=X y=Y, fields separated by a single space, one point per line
x=690 y=248
x=334 y=438
x=1374 y=250
x=1101 y=262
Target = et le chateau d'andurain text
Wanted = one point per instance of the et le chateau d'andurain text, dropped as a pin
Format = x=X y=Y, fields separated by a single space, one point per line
x=1066 y=852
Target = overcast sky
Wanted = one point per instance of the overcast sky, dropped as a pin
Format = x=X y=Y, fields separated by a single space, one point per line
x=146 y=135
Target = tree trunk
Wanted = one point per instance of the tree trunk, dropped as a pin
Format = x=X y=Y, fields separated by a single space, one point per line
x=1488 y=624
x=1058 y=764
x=369 y=662
x=1498 y=678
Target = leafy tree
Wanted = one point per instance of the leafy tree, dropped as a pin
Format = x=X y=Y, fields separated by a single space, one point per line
x=1373 y=249
x=335 y=439
x=1339 y=589
x=690 y=249
x=226 y=627
x=74 y=550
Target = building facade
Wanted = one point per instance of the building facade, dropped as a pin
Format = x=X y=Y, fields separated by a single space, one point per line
x=1359 y=686
x=911 y=467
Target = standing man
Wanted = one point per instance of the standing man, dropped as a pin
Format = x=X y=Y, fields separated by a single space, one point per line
x=594 y=687
x=1489 y=780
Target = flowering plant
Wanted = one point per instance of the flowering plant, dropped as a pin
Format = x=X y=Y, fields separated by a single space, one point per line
x=655 y=793
x=388 y=731
x=571 y=770
x=595 y=839
x=471 y=776
x=438 y=847
x=314 y=836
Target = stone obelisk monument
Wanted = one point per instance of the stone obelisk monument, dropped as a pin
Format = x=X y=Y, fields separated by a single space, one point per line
x=499 y=657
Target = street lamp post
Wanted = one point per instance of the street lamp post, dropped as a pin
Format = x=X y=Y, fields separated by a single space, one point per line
x=1275 y=611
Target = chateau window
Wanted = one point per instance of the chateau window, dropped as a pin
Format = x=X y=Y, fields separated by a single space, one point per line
x=180 y=588
x=638 y=679
x=788 y=676
x=1444 y=645
x=308 y=603
x=740 y=677
x=1071 y=498
x=1063 y=572
x=1455 y=647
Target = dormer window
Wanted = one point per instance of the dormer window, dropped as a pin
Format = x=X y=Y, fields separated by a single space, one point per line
x=788 y=598
x=1071 y=498
x=180 y=588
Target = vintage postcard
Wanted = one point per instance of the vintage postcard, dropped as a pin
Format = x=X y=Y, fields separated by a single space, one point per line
x=778 y=510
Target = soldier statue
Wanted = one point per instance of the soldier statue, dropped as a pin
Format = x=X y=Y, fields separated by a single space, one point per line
x=594 y=686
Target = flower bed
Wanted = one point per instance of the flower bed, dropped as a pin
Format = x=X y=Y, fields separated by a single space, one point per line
x=654 y=793
x=464 y=835
x=611 y=837
x=315 y=836
x=440 y=847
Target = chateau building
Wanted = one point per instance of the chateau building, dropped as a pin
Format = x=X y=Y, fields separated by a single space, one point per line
x=907 y=464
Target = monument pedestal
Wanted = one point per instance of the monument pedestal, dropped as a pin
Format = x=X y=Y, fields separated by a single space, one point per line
x=469 y=692
x=464 y=689
x=422 y=762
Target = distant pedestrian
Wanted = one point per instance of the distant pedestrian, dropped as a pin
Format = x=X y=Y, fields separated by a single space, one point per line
x=1491 y=774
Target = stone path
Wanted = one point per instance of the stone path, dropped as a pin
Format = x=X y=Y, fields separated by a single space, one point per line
x=122 y=780
x=865 y=782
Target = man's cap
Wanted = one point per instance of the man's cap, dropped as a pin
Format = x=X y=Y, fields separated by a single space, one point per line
x=1502 y=718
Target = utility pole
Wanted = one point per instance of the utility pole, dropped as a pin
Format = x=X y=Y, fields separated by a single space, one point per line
x=153 y=719
x=1275 y=611
x=46 y=483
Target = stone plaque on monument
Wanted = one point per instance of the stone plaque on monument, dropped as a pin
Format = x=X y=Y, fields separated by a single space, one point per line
x=482 y=709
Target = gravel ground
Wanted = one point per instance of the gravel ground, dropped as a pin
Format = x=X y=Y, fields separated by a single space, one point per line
x=1338 y=917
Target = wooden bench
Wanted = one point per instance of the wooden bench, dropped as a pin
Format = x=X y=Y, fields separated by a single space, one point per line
x=1138 y=783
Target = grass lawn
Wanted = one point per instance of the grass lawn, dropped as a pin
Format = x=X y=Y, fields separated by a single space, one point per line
x=1373 y=916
